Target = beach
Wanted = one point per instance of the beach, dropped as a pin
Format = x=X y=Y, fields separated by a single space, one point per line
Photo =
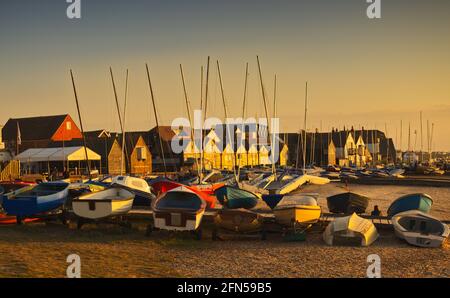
x=40 y=249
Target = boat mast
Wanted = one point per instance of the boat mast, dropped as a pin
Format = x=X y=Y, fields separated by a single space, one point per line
x=226 y=117
x=81 y=125
x=409 y=137
x=401 y=139
x=120 y=118
x=201 y=87
x=156 y=119
x=421 y=138
x=243 y=125
x=431 y=143
x=274 y=110
x=188 y=108
x=267 y=114
x=202 y=156
x=304 y=128
x=387 y=141
x=122 y=159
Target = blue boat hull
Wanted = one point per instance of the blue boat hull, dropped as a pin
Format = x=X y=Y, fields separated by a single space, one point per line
x=30 y=201
x=419 y=201
x=272 y=200
x=29 y=206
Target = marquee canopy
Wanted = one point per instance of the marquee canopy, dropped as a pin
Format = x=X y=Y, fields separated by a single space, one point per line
x=56 y=154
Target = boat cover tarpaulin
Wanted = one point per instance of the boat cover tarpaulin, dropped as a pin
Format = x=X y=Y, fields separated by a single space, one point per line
x=56 y=154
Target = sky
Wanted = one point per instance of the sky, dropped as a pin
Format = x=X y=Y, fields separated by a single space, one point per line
x=360 y=71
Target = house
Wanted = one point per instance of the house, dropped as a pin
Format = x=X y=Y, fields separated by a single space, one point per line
x=137 y=158
x=381 y=148
x=166 y=134
x=324 y=149
x=106 y=144
x=320 y=149
x=20 y=134
x=253 y=155
x=212 y=155
x=264 y=158
x=284 y=155
x=2 y=145
x=191 y=147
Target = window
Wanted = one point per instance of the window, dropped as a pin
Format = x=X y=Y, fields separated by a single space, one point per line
x=68 y=125
x=141 y=153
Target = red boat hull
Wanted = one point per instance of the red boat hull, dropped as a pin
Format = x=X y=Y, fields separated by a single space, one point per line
x=206 y=192
x=12 y=220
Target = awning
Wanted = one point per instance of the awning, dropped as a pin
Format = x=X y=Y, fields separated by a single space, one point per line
x=56 y=154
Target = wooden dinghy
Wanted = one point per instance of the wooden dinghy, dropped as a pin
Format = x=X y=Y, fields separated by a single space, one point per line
x=238 y=220
x=34 y=200
x=347 y=203
x=179 y=209
x=235 y=198
x=350 y=230
x=416 y=201
x=420 y=229
x=109 y=202
x=297 y=210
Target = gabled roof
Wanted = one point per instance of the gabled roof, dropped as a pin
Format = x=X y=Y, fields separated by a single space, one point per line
x=165 y=132
x=100 y=133
x=370 y=135
x=131 y=139
x=33 y=128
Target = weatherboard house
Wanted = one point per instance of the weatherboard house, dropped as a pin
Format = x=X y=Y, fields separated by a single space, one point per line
x=20 y=134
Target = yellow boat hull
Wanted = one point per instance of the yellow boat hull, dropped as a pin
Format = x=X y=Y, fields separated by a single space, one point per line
x=302 y=215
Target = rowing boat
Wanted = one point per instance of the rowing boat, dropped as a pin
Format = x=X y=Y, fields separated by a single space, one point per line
x=106 y=203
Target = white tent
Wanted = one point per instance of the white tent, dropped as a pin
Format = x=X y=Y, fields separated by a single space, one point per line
x=56 y=154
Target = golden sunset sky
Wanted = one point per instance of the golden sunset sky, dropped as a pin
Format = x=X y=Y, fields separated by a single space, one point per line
x=361 y=72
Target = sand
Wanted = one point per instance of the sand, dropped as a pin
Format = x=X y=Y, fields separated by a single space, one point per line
x=40 y=250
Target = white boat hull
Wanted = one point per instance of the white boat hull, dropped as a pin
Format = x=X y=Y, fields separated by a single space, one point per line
x=189 y=225
x=416 y=237
x=107 y=203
